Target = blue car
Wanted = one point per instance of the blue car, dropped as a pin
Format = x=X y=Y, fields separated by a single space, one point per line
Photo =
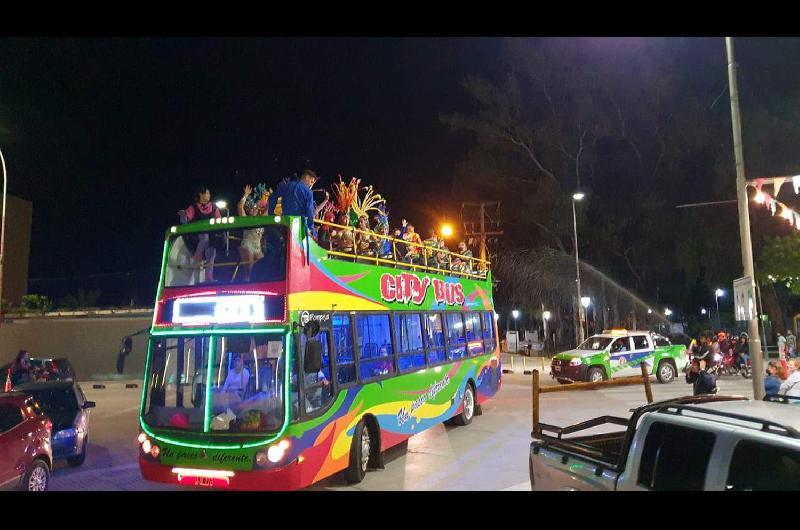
x=66 y=406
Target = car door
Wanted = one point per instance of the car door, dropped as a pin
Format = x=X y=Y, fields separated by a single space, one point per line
x=619 y=353
x=643 y=352
x=12 y=444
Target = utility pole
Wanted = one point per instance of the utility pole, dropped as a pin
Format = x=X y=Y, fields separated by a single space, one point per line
x=478 y=227
x=756 y=354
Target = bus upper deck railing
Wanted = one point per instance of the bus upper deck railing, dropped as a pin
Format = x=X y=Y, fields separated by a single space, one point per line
x=427 y=258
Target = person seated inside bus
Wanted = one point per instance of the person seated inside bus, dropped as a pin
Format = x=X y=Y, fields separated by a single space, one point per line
x=413 y=254
x=237 y=379
x=316 y=396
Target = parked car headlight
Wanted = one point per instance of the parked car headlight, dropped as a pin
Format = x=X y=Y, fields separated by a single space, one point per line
x=65 y=433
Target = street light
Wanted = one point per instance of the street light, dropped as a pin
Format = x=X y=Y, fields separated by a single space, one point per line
x=447 y=230
x=585 y=302
x=718 y=293
x=667 y=312
x=515 y=314
x=545 y=317
x=2 y=233
x=577 y=196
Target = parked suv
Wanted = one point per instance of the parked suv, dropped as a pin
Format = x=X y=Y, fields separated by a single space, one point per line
x=67 y=407
x=25 y=450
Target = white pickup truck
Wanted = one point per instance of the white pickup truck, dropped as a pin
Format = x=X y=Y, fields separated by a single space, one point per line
x=694 y=443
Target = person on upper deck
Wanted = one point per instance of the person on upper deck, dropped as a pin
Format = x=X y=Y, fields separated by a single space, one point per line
x=413 y=251
x=202 y=208
x=297 y=199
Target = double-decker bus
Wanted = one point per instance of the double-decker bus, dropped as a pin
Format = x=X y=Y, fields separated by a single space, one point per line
x=304 y=361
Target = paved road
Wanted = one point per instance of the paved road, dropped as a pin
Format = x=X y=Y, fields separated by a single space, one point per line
x=489 y=454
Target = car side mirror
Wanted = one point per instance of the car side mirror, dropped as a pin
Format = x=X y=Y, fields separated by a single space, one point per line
x=89 y=404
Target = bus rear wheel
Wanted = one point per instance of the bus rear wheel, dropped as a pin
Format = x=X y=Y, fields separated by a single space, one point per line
x=467 y=407
x=360 y=450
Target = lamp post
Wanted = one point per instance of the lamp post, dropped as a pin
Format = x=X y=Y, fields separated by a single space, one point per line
x=2 y=233
x=515 y=314
x=585 y=302
x=447 y=231
x=577 y=196
x=545 y=317
x=717 y=294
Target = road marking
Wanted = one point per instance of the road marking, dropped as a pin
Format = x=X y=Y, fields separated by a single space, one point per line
x=118 y=413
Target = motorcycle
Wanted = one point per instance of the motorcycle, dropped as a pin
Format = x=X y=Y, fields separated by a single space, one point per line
x=727 y=365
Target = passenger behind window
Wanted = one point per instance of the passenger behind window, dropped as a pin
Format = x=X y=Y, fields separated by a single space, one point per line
x=237 y=379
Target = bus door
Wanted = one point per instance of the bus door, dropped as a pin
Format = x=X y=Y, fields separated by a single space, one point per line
x=316 y=371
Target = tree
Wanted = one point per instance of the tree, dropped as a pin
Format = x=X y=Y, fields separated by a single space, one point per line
x=36 y=303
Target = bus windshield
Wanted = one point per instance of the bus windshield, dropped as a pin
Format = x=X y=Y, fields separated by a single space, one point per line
x=246 y=383
x=248 y=255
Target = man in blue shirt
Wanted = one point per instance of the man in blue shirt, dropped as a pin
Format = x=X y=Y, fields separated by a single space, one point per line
x=297 y=198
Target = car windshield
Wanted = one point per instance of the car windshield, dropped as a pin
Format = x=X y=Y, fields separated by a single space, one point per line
x=595 y=343
x=222 y=256
x=60 y=405
x=246 y=383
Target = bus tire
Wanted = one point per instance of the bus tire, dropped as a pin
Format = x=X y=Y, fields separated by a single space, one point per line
x=359 y=445
x=666 y=372
x=467 y=407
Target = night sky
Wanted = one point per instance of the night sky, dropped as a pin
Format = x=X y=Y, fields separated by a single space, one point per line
x=109 y=137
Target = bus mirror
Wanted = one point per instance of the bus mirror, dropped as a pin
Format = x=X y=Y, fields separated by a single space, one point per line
x=312 y=360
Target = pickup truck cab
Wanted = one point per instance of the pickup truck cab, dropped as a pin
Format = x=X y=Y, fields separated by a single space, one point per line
x=618 y=353
x=723 y=443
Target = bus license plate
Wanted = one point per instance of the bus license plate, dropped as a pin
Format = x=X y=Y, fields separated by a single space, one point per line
x=204 y=481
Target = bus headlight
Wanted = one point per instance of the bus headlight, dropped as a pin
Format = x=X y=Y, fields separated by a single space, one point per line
x=261 y=458
x=155 y=451
x=146 y=446
x=276 y=452
x=142 y=437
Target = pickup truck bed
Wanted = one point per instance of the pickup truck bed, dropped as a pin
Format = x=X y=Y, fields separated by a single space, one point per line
x=592 y=461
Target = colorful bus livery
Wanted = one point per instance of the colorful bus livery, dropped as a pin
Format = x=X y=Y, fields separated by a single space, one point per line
x=279 y=374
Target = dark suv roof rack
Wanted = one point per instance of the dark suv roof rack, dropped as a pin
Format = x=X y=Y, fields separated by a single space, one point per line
x=766 y=425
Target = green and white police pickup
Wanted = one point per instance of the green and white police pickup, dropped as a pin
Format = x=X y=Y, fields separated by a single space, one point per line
x=618 y=353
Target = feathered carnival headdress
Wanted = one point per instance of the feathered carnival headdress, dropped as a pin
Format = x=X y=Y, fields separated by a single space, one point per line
x=259 y=197
x=347 y=200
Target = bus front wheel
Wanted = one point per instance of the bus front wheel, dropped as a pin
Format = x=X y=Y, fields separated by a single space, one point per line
x=360 y=449
x=467 y=407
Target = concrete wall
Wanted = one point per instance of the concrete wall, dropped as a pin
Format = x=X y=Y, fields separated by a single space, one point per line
x=17 y=249
x=90 y=343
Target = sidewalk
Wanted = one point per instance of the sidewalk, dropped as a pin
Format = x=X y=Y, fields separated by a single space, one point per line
x=519 y=364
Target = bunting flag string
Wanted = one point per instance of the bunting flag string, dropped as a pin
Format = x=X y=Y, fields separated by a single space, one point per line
x=773 y=204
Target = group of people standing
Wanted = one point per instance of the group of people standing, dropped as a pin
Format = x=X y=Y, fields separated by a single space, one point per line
x=703 y=358
x=403 y=244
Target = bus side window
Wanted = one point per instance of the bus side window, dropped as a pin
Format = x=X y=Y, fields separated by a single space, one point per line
x=472 y=322
x=434 y=338
x=408 y=334
x=488 y=329
x=343 y=346
x=455 y=336
x=375 y=345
